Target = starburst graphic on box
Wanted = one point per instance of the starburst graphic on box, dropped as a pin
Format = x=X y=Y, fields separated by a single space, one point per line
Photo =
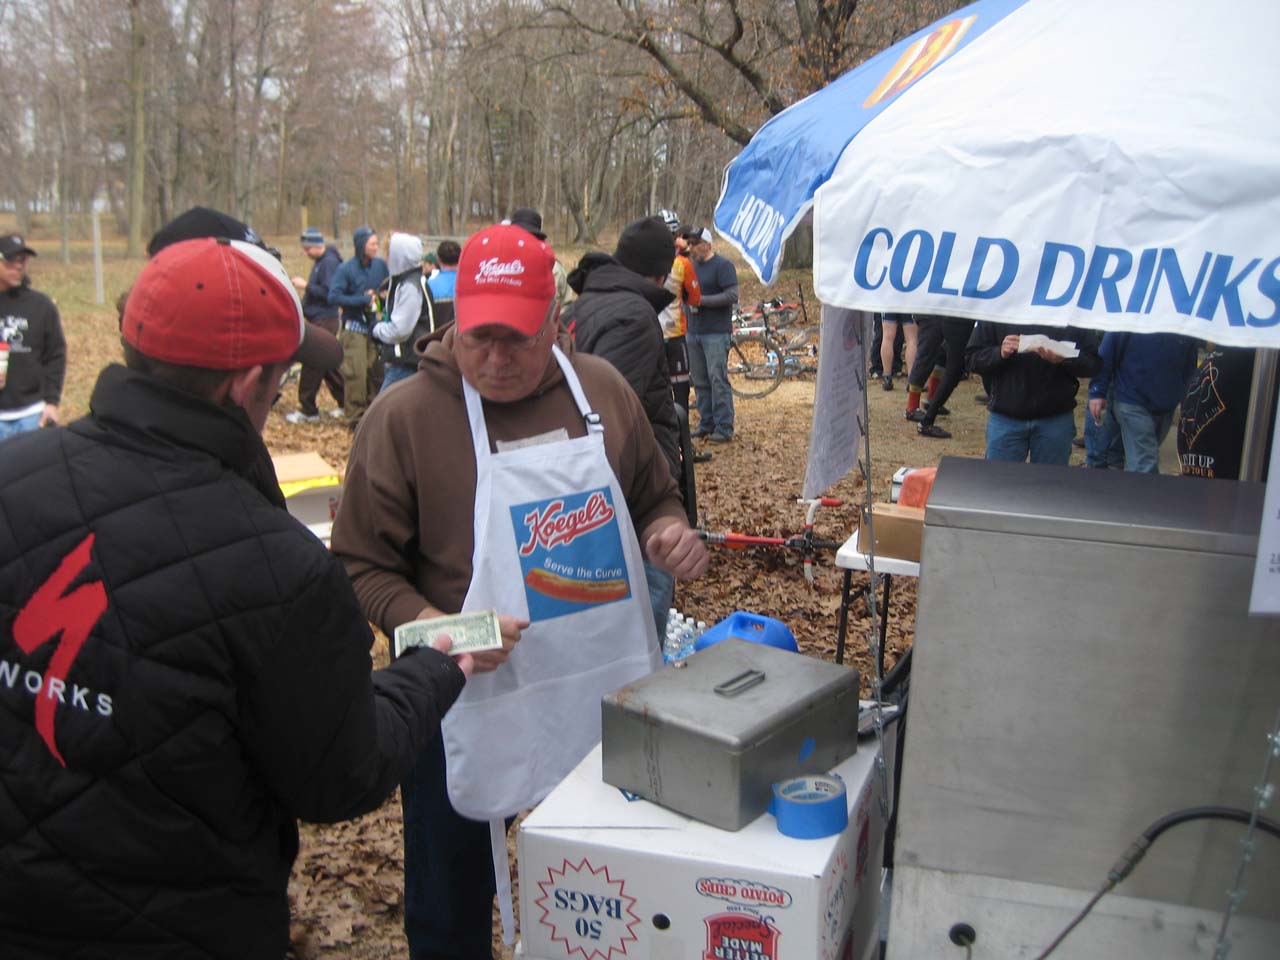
x=587 y=911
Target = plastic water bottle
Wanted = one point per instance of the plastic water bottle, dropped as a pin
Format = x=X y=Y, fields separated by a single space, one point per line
x=671 y=646
x=686 y=643
x=772 y=359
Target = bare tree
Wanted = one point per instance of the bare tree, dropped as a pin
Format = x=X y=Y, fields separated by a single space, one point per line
x=137 y=125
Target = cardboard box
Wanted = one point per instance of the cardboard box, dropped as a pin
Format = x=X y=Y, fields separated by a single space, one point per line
x=605 y=875
x=898 y=530
x=312 y=489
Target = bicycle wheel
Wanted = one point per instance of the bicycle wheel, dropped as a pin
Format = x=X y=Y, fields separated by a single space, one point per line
x=751 y=374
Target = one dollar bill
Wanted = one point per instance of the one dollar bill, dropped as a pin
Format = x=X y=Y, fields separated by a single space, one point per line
x=473 y=632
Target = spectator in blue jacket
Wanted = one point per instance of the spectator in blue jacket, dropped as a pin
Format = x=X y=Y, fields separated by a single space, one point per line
x=325 y=260
x=354 y=288
x=1146 y=376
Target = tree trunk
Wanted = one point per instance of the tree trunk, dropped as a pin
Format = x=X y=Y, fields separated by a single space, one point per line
x=138 y=127
x=493 y=164
x=464 y=200
x=583 y=233
x=233 y=102
x=282 y=136
x=447 y=168
x=261 y=69
x=798 y=252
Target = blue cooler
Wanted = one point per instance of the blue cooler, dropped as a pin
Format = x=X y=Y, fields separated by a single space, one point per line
x=750 y=627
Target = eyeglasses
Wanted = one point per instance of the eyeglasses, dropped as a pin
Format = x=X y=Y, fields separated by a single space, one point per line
x=485 y=341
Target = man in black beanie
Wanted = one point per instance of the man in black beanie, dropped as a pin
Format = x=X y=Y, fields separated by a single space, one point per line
x=530 y=220
x=616 y=317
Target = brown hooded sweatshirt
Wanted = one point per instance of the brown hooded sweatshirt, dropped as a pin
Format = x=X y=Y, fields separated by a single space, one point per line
x=404 y=529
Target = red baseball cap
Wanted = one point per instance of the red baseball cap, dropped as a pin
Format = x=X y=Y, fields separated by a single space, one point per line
x=221 y=304
x=504 y=277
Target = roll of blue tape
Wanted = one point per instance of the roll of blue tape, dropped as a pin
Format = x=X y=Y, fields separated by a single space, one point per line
x=810 y=807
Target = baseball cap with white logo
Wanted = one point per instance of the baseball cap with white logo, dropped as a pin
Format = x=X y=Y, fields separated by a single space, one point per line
x=505 y=278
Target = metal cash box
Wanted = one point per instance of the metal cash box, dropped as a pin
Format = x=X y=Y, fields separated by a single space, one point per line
x=710 y=739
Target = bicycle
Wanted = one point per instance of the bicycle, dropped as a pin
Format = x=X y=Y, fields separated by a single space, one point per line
x=764 y=349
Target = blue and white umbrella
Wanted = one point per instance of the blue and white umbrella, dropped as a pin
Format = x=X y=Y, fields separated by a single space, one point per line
x=1109 y=165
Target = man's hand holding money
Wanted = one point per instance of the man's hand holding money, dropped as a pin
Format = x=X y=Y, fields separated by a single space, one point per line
x=510 y=629
x=486 y=641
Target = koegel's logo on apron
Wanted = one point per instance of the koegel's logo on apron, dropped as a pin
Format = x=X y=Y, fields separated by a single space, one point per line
x=570 y=553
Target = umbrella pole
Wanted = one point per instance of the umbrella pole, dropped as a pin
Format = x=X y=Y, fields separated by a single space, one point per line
x=1256 y=433
x=875 y=633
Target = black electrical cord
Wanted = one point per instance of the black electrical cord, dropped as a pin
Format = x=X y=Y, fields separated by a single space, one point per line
x=1133 y=856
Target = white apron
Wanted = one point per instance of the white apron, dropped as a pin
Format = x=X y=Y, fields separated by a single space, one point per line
x=554 y=543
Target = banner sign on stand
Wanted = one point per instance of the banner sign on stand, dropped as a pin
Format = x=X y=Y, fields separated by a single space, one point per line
x=836 y=437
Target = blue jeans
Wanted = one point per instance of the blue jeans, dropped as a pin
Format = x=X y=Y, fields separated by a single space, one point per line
x=1103 y=448
x=662 y=591
x=1142 y=432
x=395 y=373
x=709 y=371
x=11 y=428
x=1047 y=440
x=448 y=867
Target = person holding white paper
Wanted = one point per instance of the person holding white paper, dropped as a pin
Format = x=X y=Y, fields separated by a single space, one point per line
x=1033 y=394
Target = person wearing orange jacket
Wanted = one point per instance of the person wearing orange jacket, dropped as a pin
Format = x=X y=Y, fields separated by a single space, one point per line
x=682 y=282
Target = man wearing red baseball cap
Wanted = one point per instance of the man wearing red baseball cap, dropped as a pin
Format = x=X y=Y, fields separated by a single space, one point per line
x=184 y=669
x=516 y=476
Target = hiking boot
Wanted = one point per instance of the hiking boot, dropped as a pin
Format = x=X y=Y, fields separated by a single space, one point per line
x=297 y=416
x=915 y=416
x=887 y=383
x=700 y=433
x=933 y=431
x=720 y=438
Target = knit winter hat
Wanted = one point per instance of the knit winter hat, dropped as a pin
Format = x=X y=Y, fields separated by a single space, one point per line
x=312 y=237
x=646 y=247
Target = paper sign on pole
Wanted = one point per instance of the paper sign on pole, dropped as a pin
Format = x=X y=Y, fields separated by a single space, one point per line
x=836 y=436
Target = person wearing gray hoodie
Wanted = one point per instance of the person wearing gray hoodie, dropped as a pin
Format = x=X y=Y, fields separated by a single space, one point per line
x=409 y=309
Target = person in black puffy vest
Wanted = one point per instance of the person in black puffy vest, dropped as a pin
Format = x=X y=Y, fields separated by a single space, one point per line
x=184 y=669
x=616 y=317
